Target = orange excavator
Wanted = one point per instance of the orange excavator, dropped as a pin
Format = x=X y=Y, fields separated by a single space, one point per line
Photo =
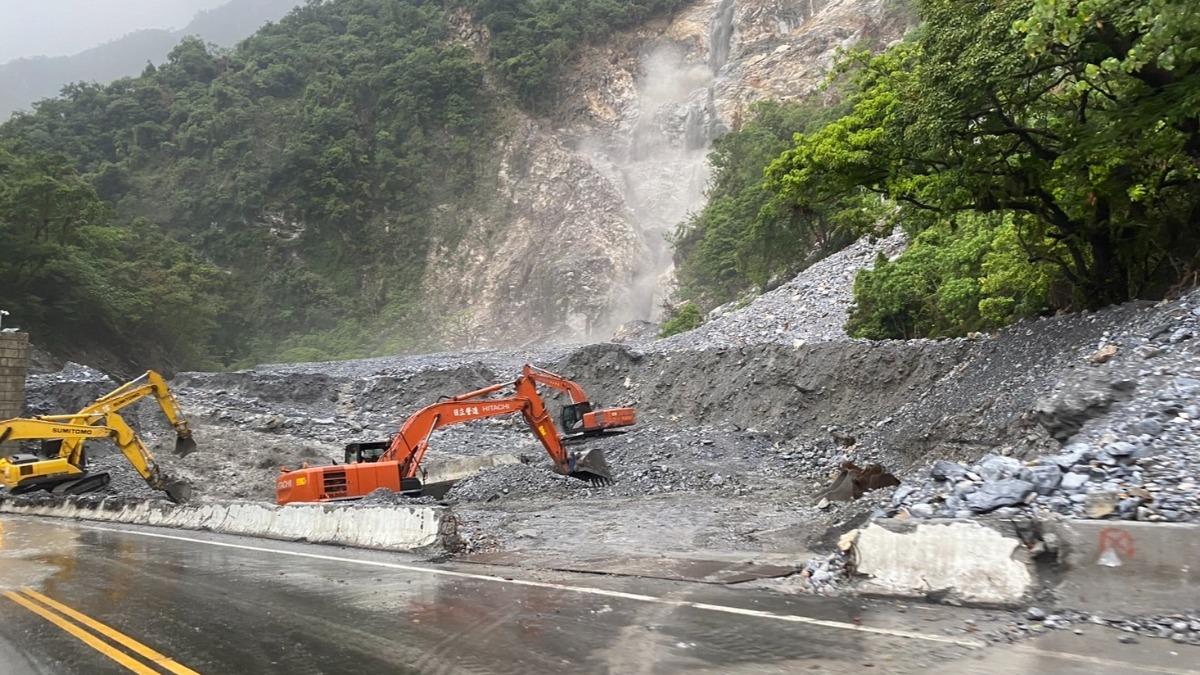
x=397 y=468
x=580 y=416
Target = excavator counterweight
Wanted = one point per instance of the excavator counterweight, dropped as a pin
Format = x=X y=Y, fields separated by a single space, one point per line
x=398 y=468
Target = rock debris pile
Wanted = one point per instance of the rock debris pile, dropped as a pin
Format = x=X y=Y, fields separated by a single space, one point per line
x=812 y=307
x=1179 y=628
x=1130 y=428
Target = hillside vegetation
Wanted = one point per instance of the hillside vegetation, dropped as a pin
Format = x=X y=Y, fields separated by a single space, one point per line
x=305 y=165
x=1048 y=151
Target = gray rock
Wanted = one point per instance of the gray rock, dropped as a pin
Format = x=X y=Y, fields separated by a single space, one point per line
x=1147 y=427
x=901 y=493
x=1187 y=386
x=1045 y=478
x=1123 y=449
x=995 y=467
x=921 y=510
x=1063 y=461
x=1035 y=614
x=944 y=470
x=1073 y=481
x=998 y=493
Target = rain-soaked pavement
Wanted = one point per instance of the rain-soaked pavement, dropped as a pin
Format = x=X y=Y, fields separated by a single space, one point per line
x=76 y=598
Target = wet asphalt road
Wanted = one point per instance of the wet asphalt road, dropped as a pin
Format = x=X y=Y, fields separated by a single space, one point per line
x=216 y=604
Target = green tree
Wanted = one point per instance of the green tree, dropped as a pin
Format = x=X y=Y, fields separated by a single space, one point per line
x=1079 y=116
x=682 y=319
x=954 y=278
x=740 y=240
x=532 y=41
x=81 y=282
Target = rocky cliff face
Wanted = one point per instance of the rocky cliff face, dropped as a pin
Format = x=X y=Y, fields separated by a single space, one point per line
x=574 y=243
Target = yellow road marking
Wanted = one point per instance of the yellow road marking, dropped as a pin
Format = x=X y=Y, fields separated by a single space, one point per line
x=83 y=636
x=116 y=636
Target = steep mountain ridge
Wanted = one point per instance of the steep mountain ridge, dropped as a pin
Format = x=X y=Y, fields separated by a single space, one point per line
x=577 y=242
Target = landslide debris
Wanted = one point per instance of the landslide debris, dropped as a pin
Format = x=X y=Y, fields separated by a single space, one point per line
x=743 y=423
x=1129 y=425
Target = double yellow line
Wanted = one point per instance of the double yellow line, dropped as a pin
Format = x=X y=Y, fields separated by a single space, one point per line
x=76 y=624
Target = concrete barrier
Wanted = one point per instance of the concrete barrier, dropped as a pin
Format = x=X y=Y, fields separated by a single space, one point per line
x=1127 y=566
x=387 y=527
x=960 y=560
x=1114 y=566
x=445 y=472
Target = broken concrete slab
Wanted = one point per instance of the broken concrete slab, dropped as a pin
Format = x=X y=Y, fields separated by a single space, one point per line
x=392 y=528
x=964 y=560
x=1126 y=566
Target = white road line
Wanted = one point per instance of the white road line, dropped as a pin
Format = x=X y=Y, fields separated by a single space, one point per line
x=588 y=590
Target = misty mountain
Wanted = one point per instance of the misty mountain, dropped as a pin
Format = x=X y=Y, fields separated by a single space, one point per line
x=67 y=27
x=24 y=81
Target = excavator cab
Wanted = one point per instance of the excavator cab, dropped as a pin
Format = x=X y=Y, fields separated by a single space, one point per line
x=570 y=417
x=366 y=452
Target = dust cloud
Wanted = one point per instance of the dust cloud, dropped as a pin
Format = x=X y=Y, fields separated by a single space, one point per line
x=658 y=160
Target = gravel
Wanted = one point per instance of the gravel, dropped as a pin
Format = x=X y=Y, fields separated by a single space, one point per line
x=1179 y=628
x=812 y=307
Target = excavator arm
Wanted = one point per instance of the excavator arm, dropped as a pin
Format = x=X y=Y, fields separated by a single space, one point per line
x=556 y=381
x=149 y=383
x=581 y=416
x=143 y=462
x=409 y=446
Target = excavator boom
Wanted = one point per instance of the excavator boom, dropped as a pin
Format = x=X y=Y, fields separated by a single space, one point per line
x=398 y=468
x=149 y=383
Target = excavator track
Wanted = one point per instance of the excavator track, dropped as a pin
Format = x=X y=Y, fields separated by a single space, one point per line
x=79 y=486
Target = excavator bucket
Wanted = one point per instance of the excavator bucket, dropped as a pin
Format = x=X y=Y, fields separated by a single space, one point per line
x=852 y=481
x=591 y=466
x=184 y=446
x=178 y=491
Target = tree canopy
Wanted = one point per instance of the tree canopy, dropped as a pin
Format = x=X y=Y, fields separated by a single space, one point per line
x=1079 y=119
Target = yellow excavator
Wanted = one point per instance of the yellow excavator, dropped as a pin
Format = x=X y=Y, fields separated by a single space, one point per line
x=62 y=466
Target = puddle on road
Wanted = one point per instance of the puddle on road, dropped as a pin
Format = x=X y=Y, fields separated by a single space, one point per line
x=29 y=555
